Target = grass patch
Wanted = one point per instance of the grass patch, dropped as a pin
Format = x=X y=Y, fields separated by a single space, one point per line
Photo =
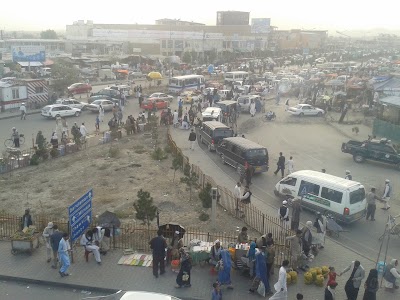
x=123 y=214
x=38 y=190
x=114 y=152
x=140 y=151
x=44 y=180
x=103 y=167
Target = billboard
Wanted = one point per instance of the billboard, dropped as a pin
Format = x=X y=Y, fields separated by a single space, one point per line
x=260 y=25
x=29 y=53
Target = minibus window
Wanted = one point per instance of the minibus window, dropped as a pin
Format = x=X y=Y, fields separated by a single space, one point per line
x=289 y=181
x=331 y=195
x=357 y=196
x=308 y=188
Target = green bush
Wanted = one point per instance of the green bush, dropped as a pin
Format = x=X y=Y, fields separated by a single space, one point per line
x=54 y=153
x=205 y=196
x=113 y=151
x=204 y=217
x=158 y=154
x=34 y=160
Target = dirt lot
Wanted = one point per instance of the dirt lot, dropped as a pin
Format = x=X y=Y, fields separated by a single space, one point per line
x=115 y=176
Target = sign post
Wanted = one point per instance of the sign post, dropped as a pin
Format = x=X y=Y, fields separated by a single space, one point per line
x=80 y=216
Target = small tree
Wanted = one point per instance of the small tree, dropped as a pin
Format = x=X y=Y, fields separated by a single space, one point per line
x=205 y=196
x=145 y=210
x=48 y=34
x=190 y=179
x=177 y=163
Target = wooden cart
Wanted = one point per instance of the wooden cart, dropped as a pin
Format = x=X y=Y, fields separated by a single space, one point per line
x=26 y=245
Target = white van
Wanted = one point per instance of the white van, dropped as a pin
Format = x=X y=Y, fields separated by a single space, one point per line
x=343 y=199
x=235 y=76
x=212 y=114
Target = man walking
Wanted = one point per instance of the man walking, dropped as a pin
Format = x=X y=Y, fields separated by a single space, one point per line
x=386 y=194
x=290 y=165
x=296 y=209
x=83 y=131
x=192 y=139
x=47 y=232
x=158 y=245
x=237 y=194
x=280 y=164
x=281 y=286
x=55 y=239
x=371 y=204
x=348 y=175
x=354 y=282
x=63 y=249
x=22 y=109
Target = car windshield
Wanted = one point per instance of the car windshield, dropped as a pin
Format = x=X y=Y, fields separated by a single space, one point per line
x=357 y=195
x=223 y=133
x=298 y=106
x=46 y=108
x=256 y=153
x=97 y=102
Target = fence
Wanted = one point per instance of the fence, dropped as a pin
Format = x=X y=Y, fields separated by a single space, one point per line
x=252 y=216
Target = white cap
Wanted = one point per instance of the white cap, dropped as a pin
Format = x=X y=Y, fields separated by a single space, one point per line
x=284 y=202
x=216 y=242
x=387 y=180
x=347 y=172
x=50 y=225
x=177 y=232
x=308 y=223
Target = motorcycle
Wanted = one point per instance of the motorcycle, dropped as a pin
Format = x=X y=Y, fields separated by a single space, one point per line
x=270 y=116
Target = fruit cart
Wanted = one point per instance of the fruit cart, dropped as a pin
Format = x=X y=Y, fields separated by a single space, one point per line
x=25 y=241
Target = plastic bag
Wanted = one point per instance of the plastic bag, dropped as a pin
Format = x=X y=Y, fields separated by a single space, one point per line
x=281 y=295
x=261 y=289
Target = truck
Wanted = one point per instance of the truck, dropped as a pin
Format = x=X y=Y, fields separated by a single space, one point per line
x=373 y=149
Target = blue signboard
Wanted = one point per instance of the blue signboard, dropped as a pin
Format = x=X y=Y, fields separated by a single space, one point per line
x=80 y=215
x=260 y=25
x=29 y=53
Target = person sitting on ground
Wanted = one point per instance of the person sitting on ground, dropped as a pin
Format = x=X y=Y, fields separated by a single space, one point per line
x=215 y=253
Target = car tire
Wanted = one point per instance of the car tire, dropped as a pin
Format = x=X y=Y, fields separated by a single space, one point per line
x=319 y=114
x=301 y=115
x=358 y=158
x=77 y=114
x=223 y=159
x=57 y=116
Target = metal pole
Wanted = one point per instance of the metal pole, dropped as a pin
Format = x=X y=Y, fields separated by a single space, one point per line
x=70 y=241
x=387 y=245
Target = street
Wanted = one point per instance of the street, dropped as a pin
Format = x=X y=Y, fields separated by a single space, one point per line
x=315 y=145
x=15 y=290
x=36 y=122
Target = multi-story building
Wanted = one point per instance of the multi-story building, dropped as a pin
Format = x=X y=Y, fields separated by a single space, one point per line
x=176 y=22
x=233 y=18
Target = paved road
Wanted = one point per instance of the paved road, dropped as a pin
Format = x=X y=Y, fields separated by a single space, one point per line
x=12 y=291
x=316 y=145
x=36 y=122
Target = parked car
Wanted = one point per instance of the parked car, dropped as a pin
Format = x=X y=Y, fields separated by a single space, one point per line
x=122 y=88
x=59 y=110
x=378 y=150
x=149 y=104
x=102 y=97
x=191 y=96
x=108 y=92
x=135 y=295
x=79 y=88
x=305 y=110
x=95 y=105
x=135 y=75
x=162 y=96
x=244 y=102
x=72 y=103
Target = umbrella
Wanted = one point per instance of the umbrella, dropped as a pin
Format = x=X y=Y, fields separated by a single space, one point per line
x=169 y=229
x=109 y=219
x=154 y=75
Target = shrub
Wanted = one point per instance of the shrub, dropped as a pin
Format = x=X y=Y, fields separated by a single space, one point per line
x=34 y=160
x=158 y=154
x=113 y=151
x=54 y=153
x=205 y=196
x=204 y=217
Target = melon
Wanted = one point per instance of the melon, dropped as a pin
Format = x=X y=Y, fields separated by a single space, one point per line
x=319 y=280
x=293 y=276
x=308 y=278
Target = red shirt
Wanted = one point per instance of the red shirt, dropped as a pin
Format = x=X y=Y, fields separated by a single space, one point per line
x=331 y=278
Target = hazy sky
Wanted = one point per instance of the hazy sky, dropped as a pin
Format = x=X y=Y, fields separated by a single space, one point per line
x=306 y=14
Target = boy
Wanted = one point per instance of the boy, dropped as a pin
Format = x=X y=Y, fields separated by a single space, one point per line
x=216 y=292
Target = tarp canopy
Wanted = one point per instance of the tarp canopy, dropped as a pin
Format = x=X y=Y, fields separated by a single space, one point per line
x=387 y=85
x=391 y=100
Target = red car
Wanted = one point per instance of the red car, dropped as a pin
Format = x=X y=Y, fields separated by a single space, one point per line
x=159 y=103
x=79 y=88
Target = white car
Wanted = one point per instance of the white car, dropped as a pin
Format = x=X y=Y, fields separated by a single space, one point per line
x=59 y=110
x=305 y=110
x=136 y=295
x=95 y=105
x=72 y=103
x=162 y=96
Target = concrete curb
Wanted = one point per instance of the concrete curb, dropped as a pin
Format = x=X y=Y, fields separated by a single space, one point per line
x=16 y=116
x=58 y=284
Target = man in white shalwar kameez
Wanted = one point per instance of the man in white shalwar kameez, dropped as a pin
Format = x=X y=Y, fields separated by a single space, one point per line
x=88 y=242
x=63 y=248
x=281 y=286
x=252 y=108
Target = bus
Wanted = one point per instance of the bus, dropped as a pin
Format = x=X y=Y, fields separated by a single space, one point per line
x=187 y=82
x=230 y=77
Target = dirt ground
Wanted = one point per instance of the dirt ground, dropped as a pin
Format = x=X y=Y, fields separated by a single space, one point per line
x=115 y=176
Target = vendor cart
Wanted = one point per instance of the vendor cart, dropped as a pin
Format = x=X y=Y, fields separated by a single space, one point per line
x=24 y=244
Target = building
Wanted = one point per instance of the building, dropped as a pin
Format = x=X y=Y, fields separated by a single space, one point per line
x=232 y=18
x=38 y=92
x=12 y=94
x=176 y=22
x=297 y=39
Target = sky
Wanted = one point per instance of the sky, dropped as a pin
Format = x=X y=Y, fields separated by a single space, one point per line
x=306 y=14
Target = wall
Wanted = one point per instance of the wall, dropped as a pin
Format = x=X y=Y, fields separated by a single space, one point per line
x=7 y=93
x=387 y=130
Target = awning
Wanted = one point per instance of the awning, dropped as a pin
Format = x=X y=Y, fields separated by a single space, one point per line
x=391 y=100
x=32 y=64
